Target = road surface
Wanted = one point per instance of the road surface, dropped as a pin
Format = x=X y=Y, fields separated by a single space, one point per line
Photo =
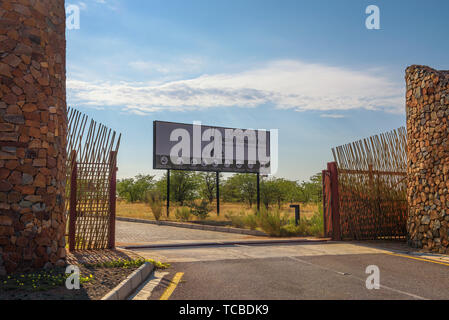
x=333 y=270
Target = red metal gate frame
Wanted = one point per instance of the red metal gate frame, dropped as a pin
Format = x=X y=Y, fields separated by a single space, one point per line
x=73 y=201
x=332 y=172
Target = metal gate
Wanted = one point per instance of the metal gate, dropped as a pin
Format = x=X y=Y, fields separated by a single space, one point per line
x=91 y=184
x=365 y=189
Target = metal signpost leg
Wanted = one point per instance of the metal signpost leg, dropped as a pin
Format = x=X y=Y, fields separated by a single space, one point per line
x=258 y=192
x=168 y=193
x=218 y=193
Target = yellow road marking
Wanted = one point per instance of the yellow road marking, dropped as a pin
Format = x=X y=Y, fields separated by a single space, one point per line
x=173 y=284
x=420 y=259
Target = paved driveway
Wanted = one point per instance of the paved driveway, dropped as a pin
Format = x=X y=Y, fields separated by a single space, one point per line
x=130 y=233
x=297 y=271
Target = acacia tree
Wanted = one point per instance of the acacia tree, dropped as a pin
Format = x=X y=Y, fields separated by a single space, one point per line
x=208 y=185
x=134 y=189
x=184 y=186
x=241 y=187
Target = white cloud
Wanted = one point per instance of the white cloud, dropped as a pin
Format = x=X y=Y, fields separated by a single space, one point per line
x=287 y=84
x=82 y=5
x=183 y=65
x=332 y=116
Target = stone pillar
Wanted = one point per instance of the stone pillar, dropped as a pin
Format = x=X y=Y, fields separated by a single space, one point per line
x=428 y=158
x=33 y=126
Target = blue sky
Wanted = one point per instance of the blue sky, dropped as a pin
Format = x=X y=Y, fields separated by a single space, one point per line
x=308 y=68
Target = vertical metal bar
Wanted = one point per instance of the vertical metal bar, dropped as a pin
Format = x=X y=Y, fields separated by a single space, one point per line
x=72 y=210
x=154 y=144
x=168 y=193
x=218 y=193
x=324 y=193
x=335 y=199
x=258 y=192
x=112 y=198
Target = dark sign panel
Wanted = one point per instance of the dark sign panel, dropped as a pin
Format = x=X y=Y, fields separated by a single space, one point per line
x=179 y=146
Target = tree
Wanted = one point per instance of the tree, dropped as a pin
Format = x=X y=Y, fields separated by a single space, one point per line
x=184 y=186
x=268 y=192
x=208 y=185
x=134 y=189
x=241 y=187
x=311 y=191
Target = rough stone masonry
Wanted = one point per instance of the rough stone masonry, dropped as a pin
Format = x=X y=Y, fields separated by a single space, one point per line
x=32 y=134
x=428 y=158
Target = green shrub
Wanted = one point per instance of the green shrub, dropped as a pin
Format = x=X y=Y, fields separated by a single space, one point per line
x=276 y=224
x=182 y=214
x=243 y=220
x=237 y=221
x=271 y=222
x=251 y=221
x=306 y=227
x=125 y=264
x=154 y=199
x=200 y=210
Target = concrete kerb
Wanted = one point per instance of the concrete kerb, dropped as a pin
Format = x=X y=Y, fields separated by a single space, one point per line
x=197 y=227
x=226 y=243
x=131 y=283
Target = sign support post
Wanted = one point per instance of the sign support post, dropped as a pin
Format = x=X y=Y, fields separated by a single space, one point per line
x=168 y=193
x=258 y=192
x=218 y=192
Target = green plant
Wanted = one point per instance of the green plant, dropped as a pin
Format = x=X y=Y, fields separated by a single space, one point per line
x=38 y=281
x=271 y=222
x=200 y=210
x=135 y=189
x=124 y=263
x=182 y=213
x=236 y=221
x=306 y=227
x=154 y=199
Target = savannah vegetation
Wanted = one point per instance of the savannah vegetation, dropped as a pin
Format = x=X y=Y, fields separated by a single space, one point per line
x=193 y=197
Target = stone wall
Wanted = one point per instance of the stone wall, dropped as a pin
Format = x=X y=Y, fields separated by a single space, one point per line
x=32 y=134
x=428 y=158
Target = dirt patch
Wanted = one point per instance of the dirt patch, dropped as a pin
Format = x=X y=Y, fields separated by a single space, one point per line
x=101 y=281
x=96 y=281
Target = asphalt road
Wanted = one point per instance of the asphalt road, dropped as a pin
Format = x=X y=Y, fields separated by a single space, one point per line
x=295 y=272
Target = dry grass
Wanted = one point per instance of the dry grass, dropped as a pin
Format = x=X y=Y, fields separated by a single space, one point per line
x=143 y=211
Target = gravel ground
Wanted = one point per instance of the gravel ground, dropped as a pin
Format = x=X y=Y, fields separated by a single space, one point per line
x=104 y=280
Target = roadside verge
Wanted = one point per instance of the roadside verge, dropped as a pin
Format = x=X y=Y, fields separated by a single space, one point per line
x=131 y=283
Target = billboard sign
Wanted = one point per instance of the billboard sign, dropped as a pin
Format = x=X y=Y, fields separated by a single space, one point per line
x=179 y=146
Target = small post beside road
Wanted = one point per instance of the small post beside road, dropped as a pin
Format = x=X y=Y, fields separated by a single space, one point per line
x=297 y=213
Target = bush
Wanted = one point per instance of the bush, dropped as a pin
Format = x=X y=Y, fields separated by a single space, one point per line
x=200 y=210
x=251 y=221
x=271 y=222
x=154 y=199
x=306 y=227
x=242 y=220
x=182 y=214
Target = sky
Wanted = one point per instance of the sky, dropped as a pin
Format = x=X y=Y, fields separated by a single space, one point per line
x=310 y=69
